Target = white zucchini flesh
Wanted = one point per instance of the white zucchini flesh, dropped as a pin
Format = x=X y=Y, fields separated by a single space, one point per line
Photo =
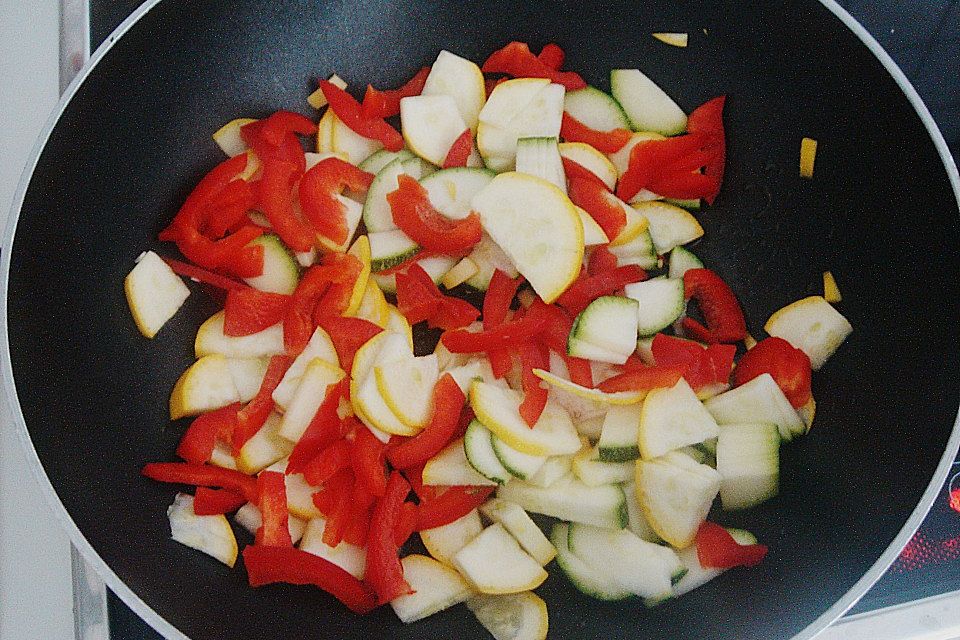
x=618 y=438
x=430 y=125
x=462 y=80
x=493 y=562
x=672 y=418
x=451 y=190
x=675 y=495
x=518 y=464
x=435 y=587
x=377 y=215
x=595 y=109
x=450 y=467
x=390 y=248
x=571 y=500
x=154 y=293
x=349 y=557
x=518 y=524
x=811 y=325
x=636 y=521
x=647 y=106
x=481 y=454
x=498 y=409
x=660 y=301
x=643 y=568
x=759 y=401
x=584 y=577
x=210 y=534
x=518 y=616
x=320 y=346
x=280 y=270
x=748 y=461
x=610 y=323
x=670 y=226
x=681 y=261
x=540 y=157
x=554 y=468
x=445 y=541
x=593 y=472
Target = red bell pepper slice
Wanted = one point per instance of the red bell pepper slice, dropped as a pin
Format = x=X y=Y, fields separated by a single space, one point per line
x=586 y=289
x=384 y=571
x=601 y=260
x=327 y=463
x=348 y=335
x=298 y=323
x=249 y=311
x=448 y=401
x=459 y=151
x=201 y=436
x=572 y=130
x=507 y=335
x=251 y=418
x=490 y=84
x=419 y=299
x=725 y=321
x=212 y=502
x=324 y=429
x=233 y=203
x=574 y=170
x=579 y=369
x=496 y=305
x=350 y=112
x=361 y=508
x=276 y=127
x=206 y=277
x=552 y=56
x=406 y=523
x=603 y=206
x=643 y=379
x=686 y=186
x=202 y=475
x=368 y=462
x=789 y=367
x=274 y=532
x=318 y=193
x=267 y=565
x=335 y=300
x=708 y=119
x=452 y=504
x=333 y=501
x=273 y=139
x=276 y=201
x=717 y=549
x=205 y=194
x=705 y=365
x=518 y=61
x=386 y=103
x=654 y=159
x=532 y=356
x=413 y=213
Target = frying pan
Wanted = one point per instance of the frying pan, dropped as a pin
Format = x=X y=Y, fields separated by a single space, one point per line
x=133 y=136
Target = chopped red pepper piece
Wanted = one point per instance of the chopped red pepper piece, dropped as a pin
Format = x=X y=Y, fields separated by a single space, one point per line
x=572 y=130
x=323 y=430
x=250 y=419
x=266 y=565
x=452 y=504
x=249 y=311
x=274 y=532
x=413 y=213
x=586 y=289
x=276 y=201
x=212 y=502
x=201 y=436
x=327 y=463
x=386 y=103
x=318 y=193
x=448 y=401
x=205 y=195
x=419 y=299
x=579 y=369
x=202 y=475
x=708 y=119
x=552 y=56
x=406 y=523
x=333 y=500
x=518 y=61
x=368 y=463
x=272 y=139
x=384 y=571
x=603 y=206
x=532 y=356
x=705 y=365
x=663 y=160
x=234 y=201
x=350 y=113
x=298 y=323
x=725 y=322
x=348 y=335
x=789 y=367
x=717 y=549
x=279 y=124
x=207 y=277
x=509 y=334
x=601 y=260
x=643 y=379
x=572 y=169
x=459 y=151
x=685 y=186
x=358 y=528
x=496 y=305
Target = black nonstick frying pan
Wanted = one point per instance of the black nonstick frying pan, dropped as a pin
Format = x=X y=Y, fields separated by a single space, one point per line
x=881 y=213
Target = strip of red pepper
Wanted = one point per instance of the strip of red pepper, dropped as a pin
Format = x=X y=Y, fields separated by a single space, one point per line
x=350 y=113
x=496 y=306
x=202 y=475
x=203 y=275
x=274 y=530
x=368 y=463
x=459 y=151
x=251 y=418
x=586 y=289
x=200 y=438
x=386 y=103
x=384 y=571
x=324 y=429
x=266 y=565
x=249 y=311
x=318 y=193
x=327 y=463
x=418 y=218
x=717 y=549
x=348 y=335
x=454 y=503
x=572 y=130
x=725 y=321
x=211 y=502
x=448 y=401
x=517 y=60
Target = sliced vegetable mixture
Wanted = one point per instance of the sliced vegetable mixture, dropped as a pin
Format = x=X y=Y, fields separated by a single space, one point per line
x=585 y=388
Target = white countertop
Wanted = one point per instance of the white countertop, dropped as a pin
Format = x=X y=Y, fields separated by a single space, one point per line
x=35 y=576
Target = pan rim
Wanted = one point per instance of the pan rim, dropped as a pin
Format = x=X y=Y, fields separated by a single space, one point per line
x=165 y=628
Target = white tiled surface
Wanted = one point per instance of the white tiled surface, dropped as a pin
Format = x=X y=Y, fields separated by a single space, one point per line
x=35 y=591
